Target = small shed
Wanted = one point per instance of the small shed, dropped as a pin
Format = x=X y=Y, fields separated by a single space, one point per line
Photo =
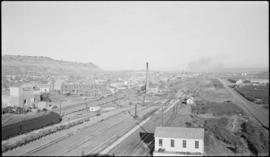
x=190 y=100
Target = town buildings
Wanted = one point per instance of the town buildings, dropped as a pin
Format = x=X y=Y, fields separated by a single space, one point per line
x=44 y=88
x=177 y=141
x=22 y=95
x=90 y=90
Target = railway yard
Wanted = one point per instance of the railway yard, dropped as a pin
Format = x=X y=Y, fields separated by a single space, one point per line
x=119 y=132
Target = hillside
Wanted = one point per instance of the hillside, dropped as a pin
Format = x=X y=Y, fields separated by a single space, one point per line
x=16 y=64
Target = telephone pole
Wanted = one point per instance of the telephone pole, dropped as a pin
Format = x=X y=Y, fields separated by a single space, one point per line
x=135 y=115
x=60 y=107
x=162 y=116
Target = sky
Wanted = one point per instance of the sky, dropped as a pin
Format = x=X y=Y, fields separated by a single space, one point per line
x=125 y=35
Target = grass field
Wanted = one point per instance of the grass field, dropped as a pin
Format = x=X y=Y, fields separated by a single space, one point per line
x=256 y=94
x=216 y=108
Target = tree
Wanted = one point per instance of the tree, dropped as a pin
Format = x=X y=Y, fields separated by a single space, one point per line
x=45 y=97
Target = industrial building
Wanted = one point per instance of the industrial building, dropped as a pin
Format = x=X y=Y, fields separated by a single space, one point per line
x=90 y=90
x=22 y=95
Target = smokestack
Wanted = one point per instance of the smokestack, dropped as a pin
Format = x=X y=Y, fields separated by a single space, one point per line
x=146 y=85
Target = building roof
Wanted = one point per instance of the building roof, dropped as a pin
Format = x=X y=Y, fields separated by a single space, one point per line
x=43 y=85
x=179 y=132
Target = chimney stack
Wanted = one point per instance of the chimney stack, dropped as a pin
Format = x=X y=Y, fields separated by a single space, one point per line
x=146 y=85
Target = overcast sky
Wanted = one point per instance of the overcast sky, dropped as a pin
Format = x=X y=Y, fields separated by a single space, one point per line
x=124 y=35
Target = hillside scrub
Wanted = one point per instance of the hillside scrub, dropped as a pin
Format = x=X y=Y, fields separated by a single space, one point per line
x=256 y=137
x=218 y=129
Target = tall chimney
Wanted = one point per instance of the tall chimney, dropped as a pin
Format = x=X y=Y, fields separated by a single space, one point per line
x=146 y=82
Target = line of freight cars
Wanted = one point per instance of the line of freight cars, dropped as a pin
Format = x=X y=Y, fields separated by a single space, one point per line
x=24 y=126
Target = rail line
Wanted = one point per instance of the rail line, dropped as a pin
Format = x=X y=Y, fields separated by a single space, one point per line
x=47 y=144
x=62 y=138
x=100 y=146
x=91 y=137
x=70 y=134
x=150 y=144
x=83 y=108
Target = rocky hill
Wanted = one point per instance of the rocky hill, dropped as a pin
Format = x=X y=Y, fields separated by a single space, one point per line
x=16 y=64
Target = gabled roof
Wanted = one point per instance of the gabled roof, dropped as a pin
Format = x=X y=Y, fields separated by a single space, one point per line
x=179 y=132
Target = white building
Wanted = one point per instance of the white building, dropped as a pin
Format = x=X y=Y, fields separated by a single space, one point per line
x=22 y=95
x=58 y=84
x=44 y=88
x=42 y=105
x=94 y=108
x=176 y=141
x=5 y=101
x=190 y=100
x=239 y=82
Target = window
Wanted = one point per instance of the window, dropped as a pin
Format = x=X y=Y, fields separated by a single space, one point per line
x=160 y=142
x=196 y=144
x=184 y=143
x=172 y=143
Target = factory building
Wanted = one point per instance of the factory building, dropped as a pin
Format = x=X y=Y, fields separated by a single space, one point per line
x=90 y=90
x=22 y=95
x=57 y=85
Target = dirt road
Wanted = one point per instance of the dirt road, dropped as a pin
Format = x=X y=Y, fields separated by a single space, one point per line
x=256 y=111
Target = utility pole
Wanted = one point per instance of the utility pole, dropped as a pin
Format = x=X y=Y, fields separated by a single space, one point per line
x=60 y=107
x=135 y=116
x=162 y=116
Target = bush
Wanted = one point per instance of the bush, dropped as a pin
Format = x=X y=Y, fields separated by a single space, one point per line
x=257 y=138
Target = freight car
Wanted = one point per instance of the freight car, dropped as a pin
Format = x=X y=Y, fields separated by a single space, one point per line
x=25 y=123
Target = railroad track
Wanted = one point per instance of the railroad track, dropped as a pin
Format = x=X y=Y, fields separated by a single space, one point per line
x=52 y=142
x=107 y=142
x=46 y=145
x=79 y=144
x=150 y=144
x=98 y=104
x=62 y=138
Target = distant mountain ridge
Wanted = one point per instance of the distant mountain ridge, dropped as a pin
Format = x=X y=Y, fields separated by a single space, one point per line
x=12 y=64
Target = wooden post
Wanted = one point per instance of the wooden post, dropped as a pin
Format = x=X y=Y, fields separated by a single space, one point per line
x=135 y=110
x=60 y=107
x=162 y=116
